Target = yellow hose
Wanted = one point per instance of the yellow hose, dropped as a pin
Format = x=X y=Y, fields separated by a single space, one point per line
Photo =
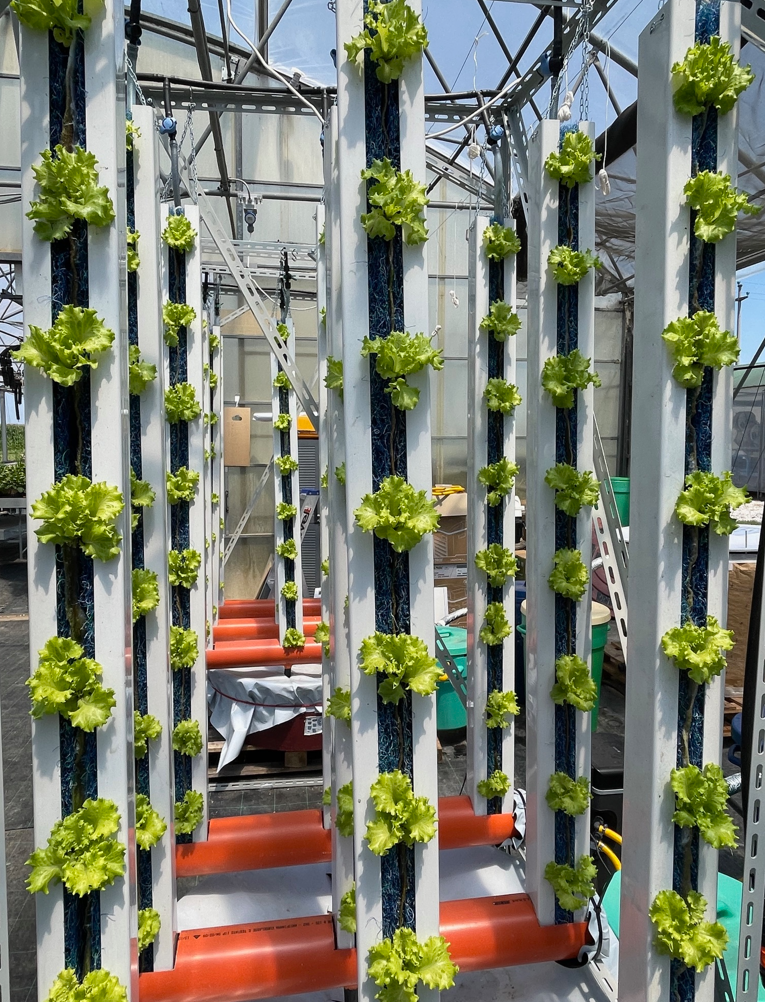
x=611 y=855
x=610 y=833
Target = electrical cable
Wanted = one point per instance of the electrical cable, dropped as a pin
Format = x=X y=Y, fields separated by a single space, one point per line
x=479 y=111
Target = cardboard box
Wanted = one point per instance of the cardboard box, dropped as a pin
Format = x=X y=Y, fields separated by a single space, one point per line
x=237 y=422
x=450 y=539
x=740 y=587
x=456 y=590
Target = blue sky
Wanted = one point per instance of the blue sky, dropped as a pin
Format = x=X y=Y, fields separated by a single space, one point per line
x=752 y=311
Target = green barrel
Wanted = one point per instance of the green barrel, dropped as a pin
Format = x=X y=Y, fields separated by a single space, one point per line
x=621 y=488
x=450 y=713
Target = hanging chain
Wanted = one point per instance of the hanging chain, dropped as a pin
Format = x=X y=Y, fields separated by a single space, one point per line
x=584 y=97
x=191 y=159
x=134 y=79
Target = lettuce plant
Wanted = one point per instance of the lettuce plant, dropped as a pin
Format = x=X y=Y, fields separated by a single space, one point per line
x=283 y=330
x=500 y=706
x=62 y=17
x=393 y=34
x=346 y=916
x=573 y=490
x=695 y=342
x=326 y=797
x=399 y=964
x=282 y=422
x=562 y=374
x=573 y=885
x=572 y=796
x=396 y=200
x=149 y=826
x=400 y=355
x=145 y=728
x=82 y=853
x=569 y=576
x=398 y=513
x=68 y=683
x=184 y=648
x=499 y=241
x=187 y=738
x=501 y=396
x=140 y=373
x=321 y=636
x=188 y=812
x=281 y=381
x=133 y=260
x=287 y=550
x=405 y=661
x=69 y=190
x=709 y=75
x=334 y=377
x=400 y=816
x=145 y=592
x=77 y=512
x=501 y=321
x=698 y=649
x=325 y=567
x=340 y=474
x=571 y=165
x=290 y=591
x=214 y=341
x=293 y=639
x=569 y=266
x=132 y=132
x=175 y=316
x=141 y=496
x=181 y=485
x=717 y=204
x=682 y=931
x=499 y=477
x=286 y=464
x=496 y=785
x=344 y=816
x=96 y=986
x=183 y=567
x=574 y=684
x=179 y=233
x=181 y=403
x=498 y=563
x=285 y=511
x=708 y=500
x=339 y=704
x=495 y=625
x=149 y=924
x=700 y=799
x=73 y=343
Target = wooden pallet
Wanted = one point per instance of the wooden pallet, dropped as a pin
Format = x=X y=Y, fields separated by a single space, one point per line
x=734 y=702
x=257 y=762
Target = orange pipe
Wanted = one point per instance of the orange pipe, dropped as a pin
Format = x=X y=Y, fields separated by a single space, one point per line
x=257 y=629
x=252 y=653
x=295 y=956
x=240 y=608
x=295 y=838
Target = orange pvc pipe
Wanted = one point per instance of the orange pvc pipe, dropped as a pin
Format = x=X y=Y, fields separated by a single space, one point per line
x=257 y=629
x=459 y=827
x=252 y=653
x=241 y=608
x=295 y=956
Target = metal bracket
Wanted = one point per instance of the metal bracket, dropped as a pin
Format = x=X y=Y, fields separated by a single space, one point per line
x=248 y=511
x=520 y=148
x=613 y=549
x=446 y=661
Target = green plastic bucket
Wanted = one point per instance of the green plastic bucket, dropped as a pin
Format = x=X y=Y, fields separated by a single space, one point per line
x=621 y=488
x=450 y=713
x=601 y=617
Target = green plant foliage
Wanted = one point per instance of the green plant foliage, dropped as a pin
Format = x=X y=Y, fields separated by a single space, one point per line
x=293 y=639
x=500 y=706
x=573 y=490
x=572 y=796
x=179 y=233
x=701 y=798
x=498 y=563
x=184 y=648
x=322 y=636
x=76 y=512
x=287 y=550
x=13 y=480
x=340 y=474
x=282 y=422
x=141 y=496
x=290 y=591
x=286 y=464
x=149 y=826
x=62 y=17
x=325 y=567
x=709 y=75
x=181 y=403
x=69 y=190
x=214 y=341
x=214 y=386
x=683 y=933
x=569 y=266
x=405 y=661
x=145 y=592
x=495 y=625
x=344 y=817
x=82 y=853
x=181 y=485
x=281 y=382
x=149 y=924
x=285 y=511
x=398 y=513
x=188 y=812
x=73 y=343
x=573 y=885
x=499 y=478
x=215 y=499
x=393 y=33
x=326 y=797
x=132 y=132
x=400 y=355
x=496 y=785
x=175 y=316
x=399 y=964
x=569 y=576
x=501 y=396
x=400 y=816
x=695 y=342
x=708 y=500
x=396 y=199
x=183 y=567
x=499 y=241
x=96 y=986
x=334 y=377
x=717 y=204
x=133 y=260
x=140 y=373
x=698 y=649
x=562 y=374
x=571 y=165
x=339 y=704
x=574 y=684
x=145 y=728
x=67 y=683
x=187 y=738
x=346 y=916
x=501 y=321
